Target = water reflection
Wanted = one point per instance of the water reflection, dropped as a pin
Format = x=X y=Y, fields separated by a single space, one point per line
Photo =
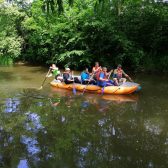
x=33 y=122
x=23 y=164
x=31 y=145
x=54 y=128
x=66 y=126
x=11 y=105
x=72 y=128
x=87 y=126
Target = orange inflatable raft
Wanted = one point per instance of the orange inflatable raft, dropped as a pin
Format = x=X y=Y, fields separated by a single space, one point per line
x=126 y=88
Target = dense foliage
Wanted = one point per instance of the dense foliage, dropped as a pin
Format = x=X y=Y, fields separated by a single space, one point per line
x=10 y=41
x=134 y=33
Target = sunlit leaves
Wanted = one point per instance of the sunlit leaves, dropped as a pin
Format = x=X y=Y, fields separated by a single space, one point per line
x=10 y=42
x=113 y=32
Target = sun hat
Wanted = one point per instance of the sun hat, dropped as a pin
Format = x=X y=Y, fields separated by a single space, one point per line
x=67 y=69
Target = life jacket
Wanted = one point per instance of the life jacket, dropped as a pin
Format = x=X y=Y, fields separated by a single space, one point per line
x=98 y=69
x=98 y=75
x=66 y=76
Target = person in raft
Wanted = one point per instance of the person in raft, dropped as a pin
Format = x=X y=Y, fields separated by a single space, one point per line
x=118 y=75
x=96 y=69
x=103 y=78
x=56 y=72
x=86 y=78
x=67 y=77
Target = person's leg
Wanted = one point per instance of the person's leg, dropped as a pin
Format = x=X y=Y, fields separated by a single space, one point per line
x=109 y=83
x=58 y=77
x=68 y=82
x=115 y=81
x=84 y=82
x=77 y=80
x=112 y=82
x=93 y=82
x=102 y=83
x=122 y=80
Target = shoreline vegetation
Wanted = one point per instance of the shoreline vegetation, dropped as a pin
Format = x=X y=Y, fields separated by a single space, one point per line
x=21 y=63
x=134 y=34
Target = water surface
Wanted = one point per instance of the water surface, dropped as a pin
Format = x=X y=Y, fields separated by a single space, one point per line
x=54 y=128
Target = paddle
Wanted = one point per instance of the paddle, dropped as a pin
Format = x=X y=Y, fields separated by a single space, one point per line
x=74 y=88
x=106 y=82
x=45 y=79
x=88 y=83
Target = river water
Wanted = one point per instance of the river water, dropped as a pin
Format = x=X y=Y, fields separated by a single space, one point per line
x=51 y=127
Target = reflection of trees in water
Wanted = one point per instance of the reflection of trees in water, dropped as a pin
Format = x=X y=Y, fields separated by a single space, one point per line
x=91 y=143
x=80 y=132
x=10 y=105
x=20 y=126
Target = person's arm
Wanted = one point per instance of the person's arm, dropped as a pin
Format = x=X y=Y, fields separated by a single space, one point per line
x=101 y=77
x=70 y=79
x=109 y=73
x=127 y=76
x=49 y=74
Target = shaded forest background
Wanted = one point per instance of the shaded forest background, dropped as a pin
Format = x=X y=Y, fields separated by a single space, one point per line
x=76 y=33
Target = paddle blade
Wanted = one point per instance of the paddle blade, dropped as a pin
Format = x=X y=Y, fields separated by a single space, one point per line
x=40 y=88
x=74 y=90
x=102 y=91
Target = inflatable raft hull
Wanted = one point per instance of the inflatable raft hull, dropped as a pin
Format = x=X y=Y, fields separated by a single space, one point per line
x=126 y=88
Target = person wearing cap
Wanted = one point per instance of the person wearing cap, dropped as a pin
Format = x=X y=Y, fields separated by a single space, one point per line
x=67 y=77
x=118 y=75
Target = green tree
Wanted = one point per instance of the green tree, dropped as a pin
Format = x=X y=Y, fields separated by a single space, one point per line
x=10 y=41
x=77 y=33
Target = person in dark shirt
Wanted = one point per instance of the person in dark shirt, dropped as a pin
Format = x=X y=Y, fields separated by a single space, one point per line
x=67 y=76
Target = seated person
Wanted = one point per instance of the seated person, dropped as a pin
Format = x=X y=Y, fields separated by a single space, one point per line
x=67 y=77
x=103 y=78
x=118 y=75
x=86 y=78
x=96 y=69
